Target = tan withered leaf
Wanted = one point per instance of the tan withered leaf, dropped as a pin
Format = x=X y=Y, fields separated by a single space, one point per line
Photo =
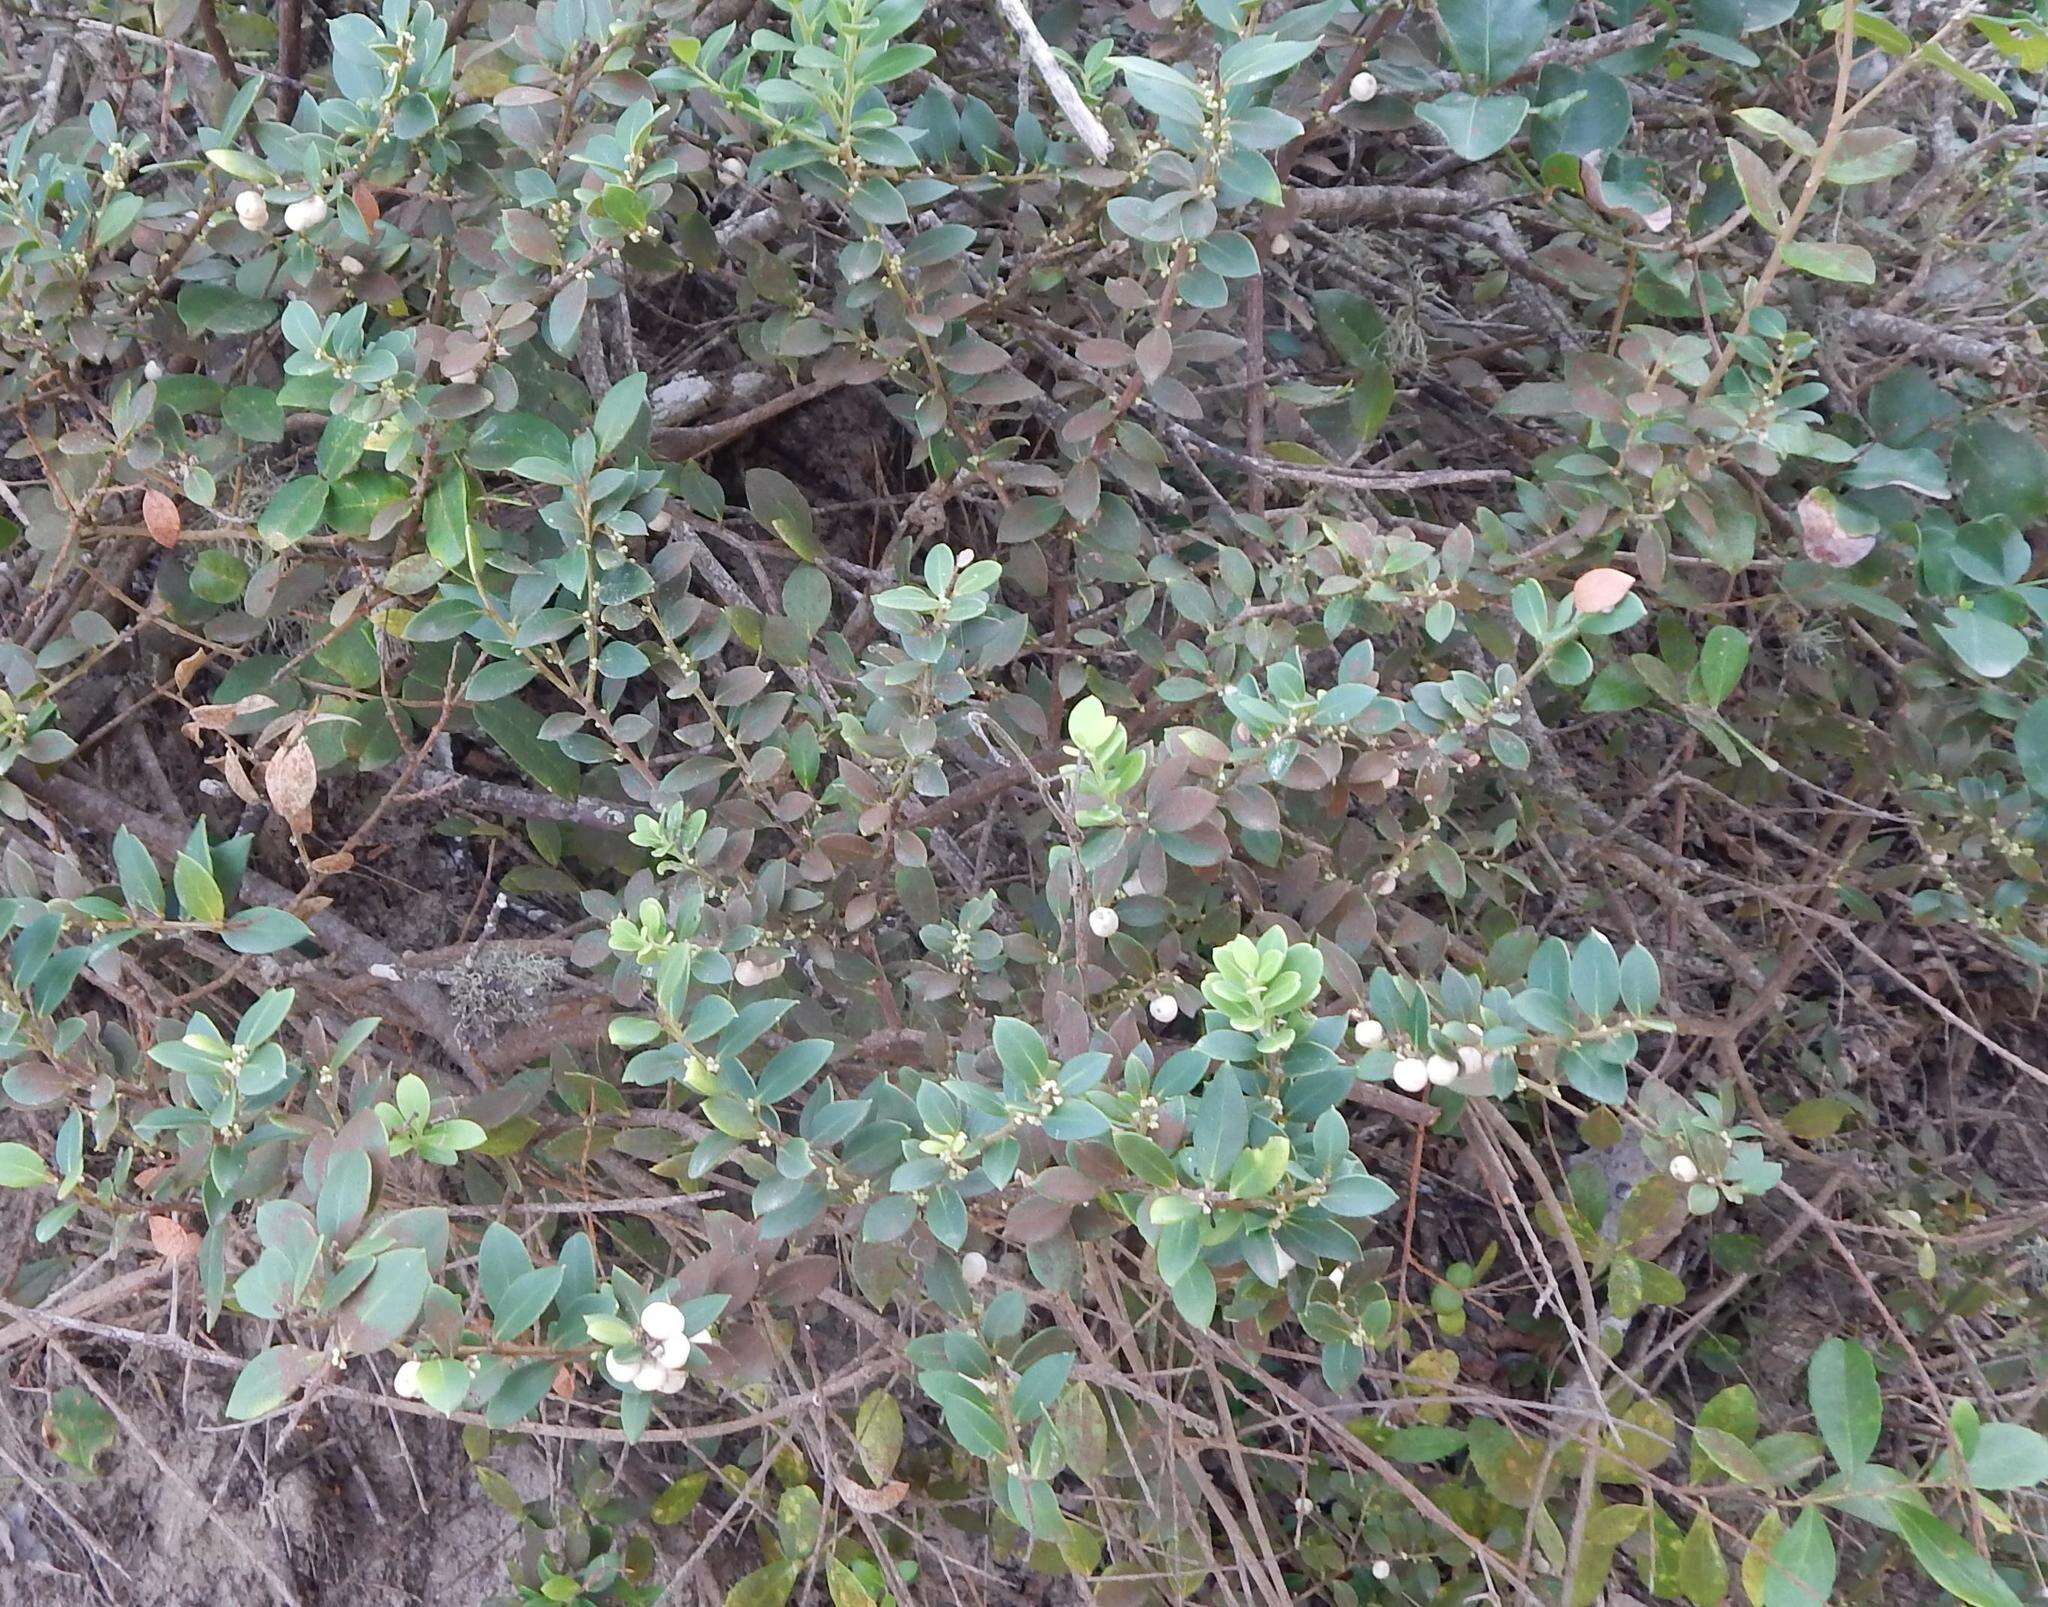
x=161 y=519
x=188 y=666
x=1822 y=535
x=219 y=716
x=172 y=1239
x=366 y=203
x=860 y=1499
x=1598 y=591
x=237 y=774
x=289 y=779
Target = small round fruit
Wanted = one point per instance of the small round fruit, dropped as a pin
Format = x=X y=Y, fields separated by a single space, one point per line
x=973 y=1268
x=251 y=210
x=659 y=1320
x=406 y=1384
x=1383 y=1569
x=1411 y=1075
x=1441 y=1070
x=1164 y=1009
x=307 y=214
x=619 y=1370
x=674 y=1354
x=1473 y=1059
x=1103 y=921
x=649 y=1374
x=672 y=1380
x=1684 y=1169
x=1363 y=87
x=1368 y=1034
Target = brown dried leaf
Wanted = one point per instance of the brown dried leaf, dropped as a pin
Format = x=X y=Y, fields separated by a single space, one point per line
x=160 y=518
x=238 y=776
x=1598 y=591
x=365 y=199
x=172 y=1239
x=290 y=779
x=1822 y=535
x=863 y=1500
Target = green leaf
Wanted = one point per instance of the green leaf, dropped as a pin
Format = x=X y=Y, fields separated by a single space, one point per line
x=272 y=1379
x=1722 y=658
x=774 y=499
x=1475 y=126
x=143 y=887
x=764 y=1587
x=1800 y=1571
x=22 y=1168
x=1841 y=1386
x=1989 y=647
x=1846 y=264
x=264 y=931
x=1147 y=1161
x=878 y=1434
x=253 y=413
x=617 y=413
x=1732 y=1457
x=199 y=897
x=1221 y=1122
x=1950 y=1560
x=1999 y=469
x=1354 y=328
x=445 y=521
x=2008 y=1456
x=516 y=728
x=293 y=511
x=1489 y=39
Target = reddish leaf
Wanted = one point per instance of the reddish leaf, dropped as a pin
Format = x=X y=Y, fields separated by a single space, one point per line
x=160 y=518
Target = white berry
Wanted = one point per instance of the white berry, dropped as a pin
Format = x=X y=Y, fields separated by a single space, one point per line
x=649 y=1375
x=1441 y=1070
x=1102 y=921
x=152 y=371
x=1282 y=244
x=252 y=210
x=1368 y=1034
x=659 y=1320
x=670 y=1381
x=1363 y=87
x=1473 y=1059
x=406 y=1384
x=673 y=1354
x=1382 y=1569
x=351 y=266
x=1685 y=1169
x=1411 y=1075
x=748 y=974
x=1164 y=1009
x=618 y=1369
x=307 y=214
x=973 y=1268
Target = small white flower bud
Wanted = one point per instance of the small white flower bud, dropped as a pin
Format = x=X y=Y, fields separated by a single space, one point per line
x=1441 y=1070
x=1368 y=1034
x=1684 y=1169
x=1103 y=922
x=1165 y=1008
x=1363 y=87
x=659 y=1320
x=406 y=1384
x=1411 y=1074
x=251 y=210
x=973 y=1268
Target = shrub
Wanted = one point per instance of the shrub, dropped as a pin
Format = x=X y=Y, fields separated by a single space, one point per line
x=1167 y=810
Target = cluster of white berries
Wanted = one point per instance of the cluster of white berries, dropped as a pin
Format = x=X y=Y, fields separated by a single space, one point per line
x=1413 y=1073
x=1103 y=922
x=664 y=1352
